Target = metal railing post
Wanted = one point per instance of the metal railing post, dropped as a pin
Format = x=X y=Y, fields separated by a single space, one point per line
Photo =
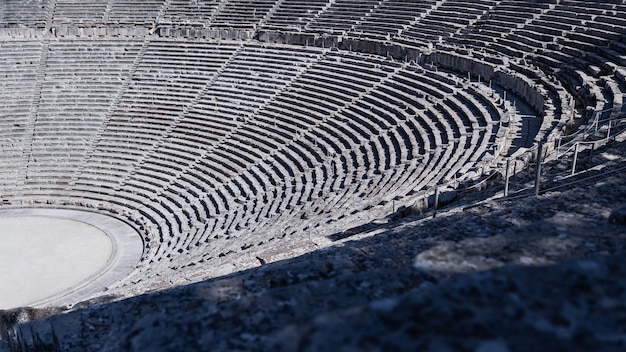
x=538 y=168
x=436 y=205
x=506 y=178
x=575 y=158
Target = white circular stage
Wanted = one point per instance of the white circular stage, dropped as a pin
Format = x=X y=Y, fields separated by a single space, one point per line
x=53 y=257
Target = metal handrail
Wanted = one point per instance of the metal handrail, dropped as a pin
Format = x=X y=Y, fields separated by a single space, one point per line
x=586 y=129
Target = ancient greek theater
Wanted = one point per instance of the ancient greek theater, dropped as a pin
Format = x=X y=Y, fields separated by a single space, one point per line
x=290 y=175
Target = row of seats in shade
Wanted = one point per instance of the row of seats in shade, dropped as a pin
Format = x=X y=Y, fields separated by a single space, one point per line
x=197 y=139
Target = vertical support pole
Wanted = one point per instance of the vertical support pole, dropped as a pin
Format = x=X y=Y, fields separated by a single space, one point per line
x=608 y=131
x=436 y=202
x=538 y=168
x=506 y=178
x=575 y=159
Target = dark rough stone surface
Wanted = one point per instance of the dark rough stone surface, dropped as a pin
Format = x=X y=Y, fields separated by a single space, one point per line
x=618 y=216
x=509 y=309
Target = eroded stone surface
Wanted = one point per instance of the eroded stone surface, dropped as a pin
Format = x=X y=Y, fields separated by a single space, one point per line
x=618 y=217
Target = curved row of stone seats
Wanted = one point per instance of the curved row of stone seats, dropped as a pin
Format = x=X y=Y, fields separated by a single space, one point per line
x=229 y=246
x=305 y=98
x=449 y=114
x=392 y=17
x=463 y=110
x=156 y=162
x=165 y=82
x=347 y=192
x=188 y=127
x=256 y=74
x=242 y=13
x=189 y=13
x=556 y=96
x=345 y=195
x=83 y=77
x=555 y=107
x=145 y=115
x=294 y=15
x=131 y=12
x=544 y=96
x=19 y=68
x=84 y=13
x=387 y=147
x=97 y=12
x=271 y=168
x=221 y=147
x=569 y=30
x=387 y=164
x=271 y=124
x=354 y=191
x=142 y=193
x=567 y=40
x=605 y=63
x=341 y=16
x=261 y=232
x=500 y=20
x=36 y=13
x=620 y=79
x=20 y=13
x=328 y=78
x=447 y=19
x=157 y=218
x=583 y=48
x=563 y=24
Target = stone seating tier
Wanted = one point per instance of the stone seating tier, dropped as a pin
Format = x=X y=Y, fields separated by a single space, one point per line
x=217 y=146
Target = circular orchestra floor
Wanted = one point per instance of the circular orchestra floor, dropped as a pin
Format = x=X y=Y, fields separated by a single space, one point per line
x=58 y=257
